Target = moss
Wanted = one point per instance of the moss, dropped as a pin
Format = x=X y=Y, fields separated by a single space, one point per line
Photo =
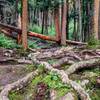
x=93 y=43
x=95 y=94
x=30 y=68
x=51 y=79
x=15 y=96
x=37 y=80
x=61 y=92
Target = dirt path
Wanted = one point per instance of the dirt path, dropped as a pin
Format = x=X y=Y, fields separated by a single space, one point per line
x=10 y=71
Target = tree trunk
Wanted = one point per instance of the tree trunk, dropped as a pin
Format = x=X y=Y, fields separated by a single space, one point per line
x=80 y=20
x=24 y=24
x=57 y=24
x=96 y=17
x=64 y=23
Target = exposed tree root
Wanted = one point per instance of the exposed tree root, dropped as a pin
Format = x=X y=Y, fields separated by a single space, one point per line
x=90 y=52
x=83 y=64
x=18 y=61
x=38 y=59
x=64 y=77
x=62 y=61
x=60 y=53
x=17 y=85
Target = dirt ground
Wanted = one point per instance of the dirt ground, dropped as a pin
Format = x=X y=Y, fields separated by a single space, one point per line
x=10 y=72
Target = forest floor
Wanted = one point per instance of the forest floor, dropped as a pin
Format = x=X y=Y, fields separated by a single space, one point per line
x=15 y=64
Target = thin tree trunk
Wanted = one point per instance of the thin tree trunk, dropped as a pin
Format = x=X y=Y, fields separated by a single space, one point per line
x=43 y=23
x=80 y=21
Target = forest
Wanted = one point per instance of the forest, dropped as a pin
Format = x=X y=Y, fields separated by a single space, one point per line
x=49 y=49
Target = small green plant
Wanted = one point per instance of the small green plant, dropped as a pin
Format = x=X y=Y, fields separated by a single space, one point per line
x=93 y=42
x=15 y=96
x=35 y=28
x=53 y=81
x=32 y=44
x=6 y=42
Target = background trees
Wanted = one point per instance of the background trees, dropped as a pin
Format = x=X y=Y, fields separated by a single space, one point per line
x=71 y=19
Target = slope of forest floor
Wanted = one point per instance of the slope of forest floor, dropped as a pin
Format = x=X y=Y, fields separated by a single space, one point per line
x=15 y=64
x=53 y=63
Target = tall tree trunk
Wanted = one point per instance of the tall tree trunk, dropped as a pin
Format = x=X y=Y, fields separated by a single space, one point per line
x=96 y=18
x=99 y=22
x=24 y=24
x=16 y=13
x=43 y=18
x=64 y=23
x=57 y=24
x=46 y=22
x=80 y=20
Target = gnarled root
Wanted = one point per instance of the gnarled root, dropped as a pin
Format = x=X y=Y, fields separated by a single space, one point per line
x=92 y=63
x=17 y=85
x=64 y=77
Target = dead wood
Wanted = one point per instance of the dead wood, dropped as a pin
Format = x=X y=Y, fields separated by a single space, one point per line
x=16 y=29
x=17 y=85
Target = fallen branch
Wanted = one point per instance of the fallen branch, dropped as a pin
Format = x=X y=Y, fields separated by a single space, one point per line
x=75 y=42
x=16 y=29
x=17 y=85
x=83 y=64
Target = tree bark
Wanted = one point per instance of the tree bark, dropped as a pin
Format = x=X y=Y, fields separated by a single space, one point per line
x=64 y=23
x=83 y=64
x=24 y=23
x=96 y=18
x=57 y=24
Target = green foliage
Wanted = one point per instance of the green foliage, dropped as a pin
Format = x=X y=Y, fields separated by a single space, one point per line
x=52 y=61
x=54 y=81
x=32 y=44
x=35 y=28
x=30 y=68
x=51 y=31
x=15 y=96
x=7 y=42
x=93 y=43
x=47 y=4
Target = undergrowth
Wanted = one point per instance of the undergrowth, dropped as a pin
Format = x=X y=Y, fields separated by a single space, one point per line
x=51 y=79
x=7 y=42
x=93 y=43
x=10 y=43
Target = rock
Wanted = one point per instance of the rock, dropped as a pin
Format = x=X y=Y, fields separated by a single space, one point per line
x=8 y=53
x=53 y=95
x=84 y=82
x=68 y=96
x=98 y=81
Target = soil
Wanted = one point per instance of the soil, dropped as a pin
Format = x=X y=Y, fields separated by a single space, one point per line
x=10 y=71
